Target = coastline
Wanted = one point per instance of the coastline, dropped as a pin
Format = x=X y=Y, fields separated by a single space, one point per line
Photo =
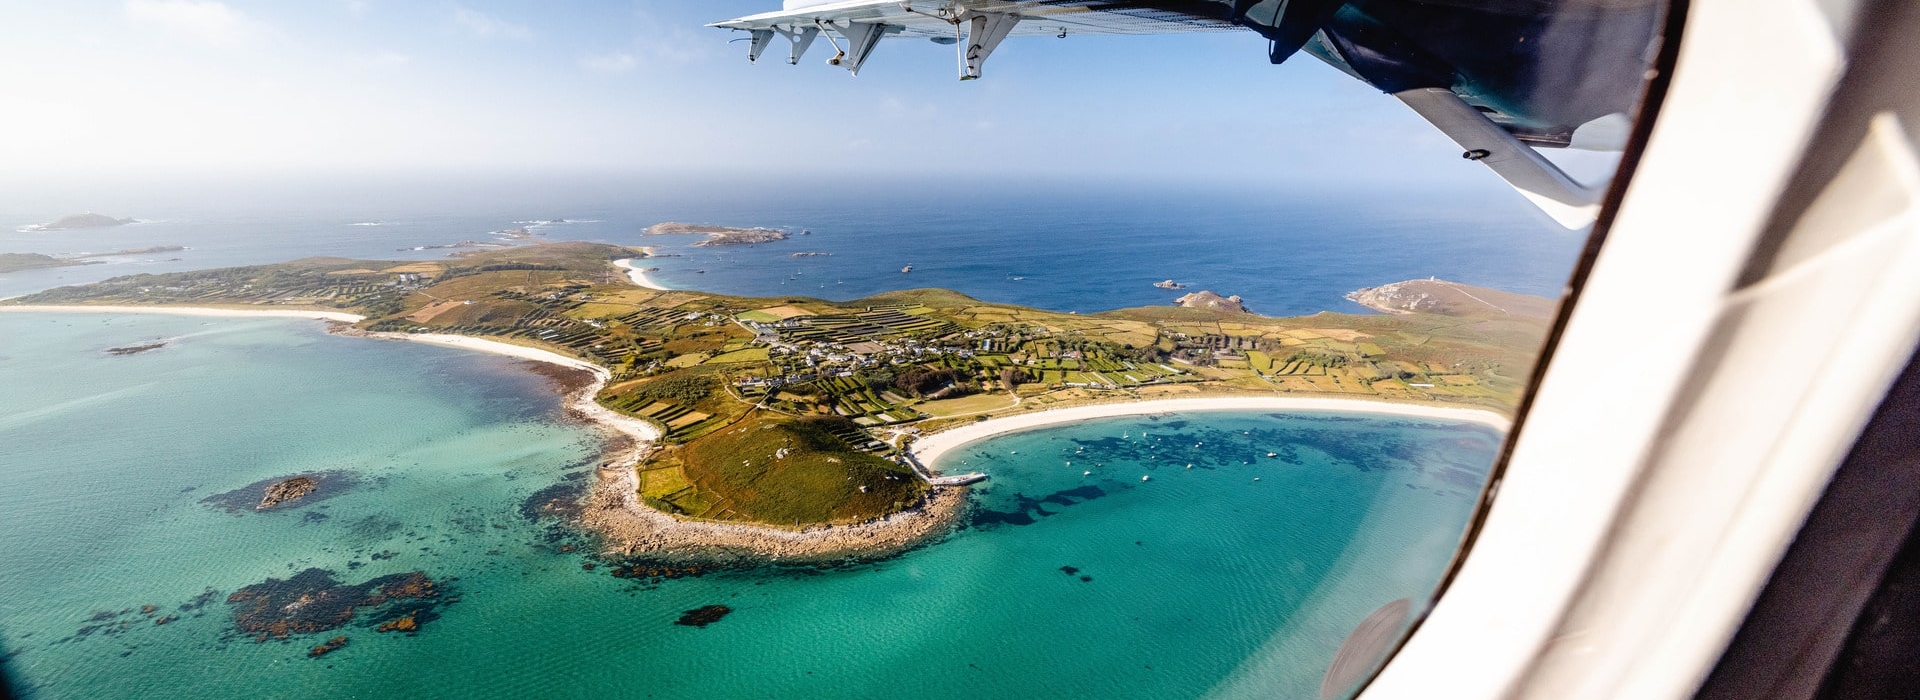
x=612 y=508
x=339 y=316
x=929 y=449
x=629 y=528
x=638 y=275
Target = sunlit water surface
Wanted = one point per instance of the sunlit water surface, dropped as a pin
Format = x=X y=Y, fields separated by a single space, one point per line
x=1198 y=582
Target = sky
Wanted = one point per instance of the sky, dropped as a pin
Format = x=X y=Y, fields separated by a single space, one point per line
x=155 y=90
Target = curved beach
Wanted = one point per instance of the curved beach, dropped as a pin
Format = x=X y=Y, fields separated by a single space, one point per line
x=928 y=449
x=630 y=528
x=638 y=275
x=613 y=508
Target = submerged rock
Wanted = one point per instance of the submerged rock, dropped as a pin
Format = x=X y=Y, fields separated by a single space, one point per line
x=136 y=349
x=703 y=616
x=313 y=601
x=284 y=491
x=400 y=624
x=329 y=647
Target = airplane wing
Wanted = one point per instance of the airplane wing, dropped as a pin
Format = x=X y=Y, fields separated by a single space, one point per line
x=1502 y=78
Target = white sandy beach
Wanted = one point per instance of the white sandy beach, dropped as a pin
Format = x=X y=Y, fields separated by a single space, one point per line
x=184 y=311
x=929 y=449
x=638 y=275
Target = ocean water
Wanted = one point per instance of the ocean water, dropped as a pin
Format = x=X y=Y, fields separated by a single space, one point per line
x=1199 y=583
x=1055 y=247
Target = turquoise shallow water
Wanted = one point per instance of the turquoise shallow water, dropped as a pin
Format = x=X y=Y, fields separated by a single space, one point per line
x=1197 y=583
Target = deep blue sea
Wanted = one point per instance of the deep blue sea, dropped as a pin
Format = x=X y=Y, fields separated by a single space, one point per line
x=1285 y=253
x=1237 y=578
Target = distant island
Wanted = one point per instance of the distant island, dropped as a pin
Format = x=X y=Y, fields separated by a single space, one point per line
x=781 y=426
x=149 y=250
x=16 y=262
x=1436 y=296
x=809 y=254
x=78 y=221
x=718 y=235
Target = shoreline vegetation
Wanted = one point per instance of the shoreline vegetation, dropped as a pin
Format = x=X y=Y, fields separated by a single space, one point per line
x=796 y=429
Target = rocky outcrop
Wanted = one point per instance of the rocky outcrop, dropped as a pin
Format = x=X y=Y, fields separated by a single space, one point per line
x=1204 y=299
x=329 y=647
x=313 y=601
x=286 y=491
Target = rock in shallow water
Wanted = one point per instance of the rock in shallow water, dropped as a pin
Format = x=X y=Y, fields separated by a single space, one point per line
x=703 y=616
x=313 y=601
x=327 y=648
x=285 y=491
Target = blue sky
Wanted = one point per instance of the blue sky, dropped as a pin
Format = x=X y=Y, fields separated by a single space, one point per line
x=145 y=89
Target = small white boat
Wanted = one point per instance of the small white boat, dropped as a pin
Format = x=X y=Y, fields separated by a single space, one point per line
x=1256 y=478
x=1189 y=466
x=1086 y=473
x=1146 y=477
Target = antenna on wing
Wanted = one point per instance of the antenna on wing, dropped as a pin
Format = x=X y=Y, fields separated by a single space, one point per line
x=950 y=15
x=801 y=38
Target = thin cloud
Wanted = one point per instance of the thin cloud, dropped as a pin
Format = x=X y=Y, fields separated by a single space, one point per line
x=201 y=20
x=383 y=59
x=611 y=64
x=487 y=26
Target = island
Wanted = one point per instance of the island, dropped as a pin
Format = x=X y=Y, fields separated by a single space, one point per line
x=16 y=262
x=149 y=250
x=718 y=235
x=806 y=429
x=79 y=221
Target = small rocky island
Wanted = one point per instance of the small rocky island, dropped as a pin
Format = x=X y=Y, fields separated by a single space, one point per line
x=78 y=221
x=1169 y=284
x=284 y=491
x=718 y=235
x=15 y=262
x=1204 y=299
x=809 y=254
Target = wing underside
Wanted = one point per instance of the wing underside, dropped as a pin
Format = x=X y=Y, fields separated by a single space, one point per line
x=933 y=20
x=1502 y=78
